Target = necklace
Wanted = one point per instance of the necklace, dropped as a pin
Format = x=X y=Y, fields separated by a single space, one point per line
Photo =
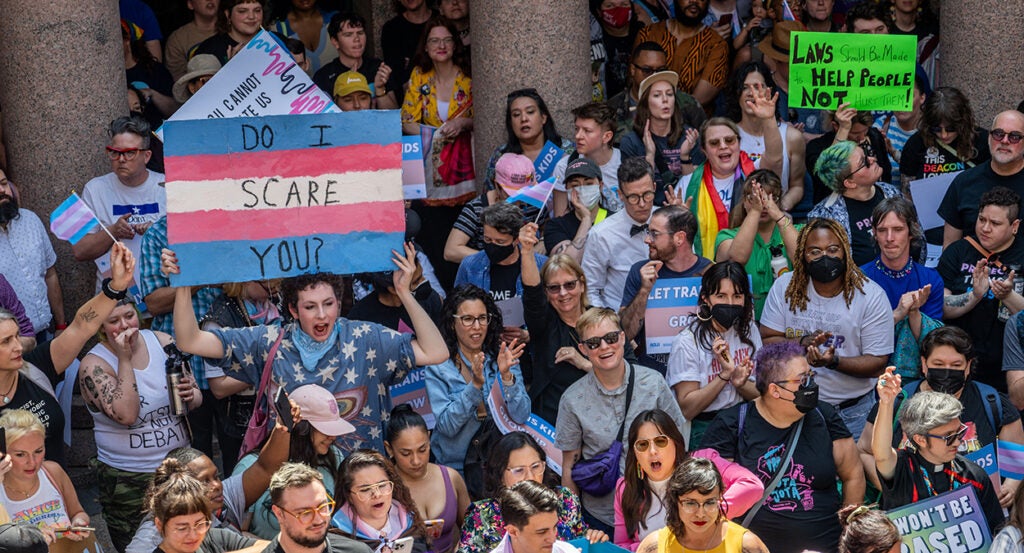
x=895 y=275
x=6 y=396
x=24 y=494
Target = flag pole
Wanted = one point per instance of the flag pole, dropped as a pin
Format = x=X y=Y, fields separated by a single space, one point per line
x=100 y=223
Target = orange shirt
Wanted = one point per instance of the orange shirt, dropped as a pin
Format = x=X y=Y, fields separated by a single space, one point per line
x=702 y=56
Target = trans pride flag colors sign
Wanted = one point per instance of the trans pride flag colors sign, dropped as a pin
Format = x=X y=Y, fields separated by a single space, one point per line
x=279 y=196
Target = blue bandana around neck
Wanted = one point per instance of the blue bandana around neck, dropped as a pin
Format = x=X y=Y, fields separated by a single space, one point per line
x=310 y=350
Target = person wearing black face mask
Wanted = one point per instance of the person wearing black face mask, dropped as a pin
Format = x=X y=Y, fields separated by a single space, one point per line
x=497 y=268
x=787 y=417
x=696 y=52
x=842 y=318
x=712 y=357
x=947 y=358
x=669 y=239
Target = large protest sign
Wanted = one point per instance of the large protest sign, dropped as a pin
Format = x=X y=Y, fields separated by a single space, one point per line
x=668 y=304
x=279 y=196
x=871 y=72
x=261 y=79
x=953 y=521
x=414 y=180
x=986 y=458
x=538 y=428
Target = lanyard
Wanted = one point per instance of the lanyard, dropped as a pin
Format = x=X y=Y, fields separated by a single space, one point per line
x=956 y=481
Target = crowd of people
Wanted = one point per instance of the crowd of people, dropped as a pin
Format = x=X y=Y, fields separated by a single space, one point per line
x=844 y=355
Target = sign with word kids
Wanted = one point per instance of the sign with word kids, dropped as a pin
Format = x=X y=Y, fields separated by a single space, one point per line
x=261 y=79
x=871 y=72
x=953 y=521
x=271 y=197
x=668 y=304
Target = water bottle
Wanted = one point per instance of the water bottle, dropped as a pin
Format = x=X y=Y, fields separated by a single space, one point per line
x=780 y=265
x=175 y=366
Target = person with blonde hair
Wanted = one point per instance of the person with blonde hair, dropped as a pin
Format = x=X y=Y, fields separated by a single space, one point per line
x=37 y=491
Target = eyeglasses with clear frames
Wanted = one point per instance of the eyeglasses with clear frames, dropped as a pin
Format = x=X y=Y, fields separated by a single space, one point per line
x=468 y=320
x=834 y=251
x=368 y=492
x=435 y=41
x=527 y=470
x=307 y=516
x=804 y=379
x=690 y=506
x=186 y=529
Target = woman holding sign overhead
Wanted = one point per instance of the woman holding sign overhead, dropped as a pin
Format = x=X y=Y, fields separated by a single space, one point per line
x=929 y=465
x=478 y=359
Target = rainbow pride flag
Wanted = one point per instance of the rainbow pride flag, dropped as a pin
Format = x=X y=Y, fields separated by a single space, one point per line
x=279 y=196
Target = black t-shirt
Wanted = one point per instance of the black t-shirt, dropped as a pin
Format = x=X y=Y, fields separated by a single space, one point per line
x=371 y=309
x=503 y=281
x=217 y=45
x=984 y=323
x=560 y=229
x=975 y=415
x=324 y=77
x=398 y=41
x=818 y=145
x=40 y=357
x=959 y=207
x=801 y=512
x=909 y=477
x=42 y=404
x=918 y=162
x=617 y=66
x=862 y=237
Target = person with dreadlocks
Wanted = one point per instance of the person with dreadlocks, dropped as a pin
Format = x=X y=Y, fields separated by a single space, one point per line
x=839 y=315
x=930 y=465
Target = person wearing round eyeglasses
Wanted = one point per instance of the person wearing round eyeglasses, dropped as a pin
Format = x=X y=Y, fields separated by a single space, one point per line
x=478 y=358
x=374 y=505
x=654 y=450
x=517 y=457
x=855 y=179
x=595 y=411
x=303 y=510
x=798 y=447
x=695 y=518
x=929 y=465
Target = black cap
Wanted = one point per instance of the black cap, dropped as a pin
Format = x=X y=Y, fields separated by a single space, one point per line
x=582 y=167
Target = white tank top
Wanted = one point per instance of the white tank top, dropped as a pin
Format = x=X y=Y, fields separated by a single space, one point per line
x=45 y=507
x=142 y=446
x=754 y=146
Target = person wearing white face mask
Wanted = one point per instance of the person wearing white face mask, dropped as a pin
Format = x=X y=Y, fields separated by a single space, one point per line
x=567 y=234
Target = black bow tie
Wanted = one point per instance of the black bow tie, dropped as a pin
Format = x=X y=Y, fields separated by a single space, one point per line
x=637 y=229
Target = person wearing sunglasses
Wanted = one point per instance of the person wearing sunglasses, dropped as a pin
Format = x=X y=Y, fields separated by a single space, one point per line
x=593 y=409
x=715 y=187
x=374 y=505
x=947 y=356
x=515 y=458
x=471 y=325
x=855 y=126
x=858 y=185
x=655 y=449
x=695 y=515
x=929 y=464
x=303 y=510
x=787 y=417
x=960 y=206
x=128 y=199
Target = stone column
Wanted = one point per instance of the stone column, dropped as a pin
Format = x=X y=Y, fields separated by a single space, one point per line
x=61 y=83
x=377 y=12
x=980 y=53
x=523 y=43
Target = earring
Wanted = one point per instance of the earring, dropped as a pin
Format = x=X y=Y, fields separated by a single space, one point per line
x=639 y=471
x=701 y=309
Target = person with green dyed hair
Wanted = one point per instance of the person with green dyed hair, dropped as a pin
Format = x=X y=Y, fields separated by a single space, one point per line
x=855 y=179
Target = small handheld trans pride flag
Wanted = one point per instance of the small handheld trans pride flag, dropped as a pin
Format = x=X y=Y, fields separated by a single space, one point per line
x=73 y=219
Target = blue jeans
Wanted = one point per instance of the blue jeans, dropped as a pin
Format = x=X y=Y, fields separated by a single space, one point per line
x=856 y=415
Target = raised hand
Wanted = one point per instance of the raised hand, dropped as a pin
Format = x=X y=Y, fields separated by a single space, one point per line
x=528 y=237
x=508 y=356
x=122 y=267
x=889 y=385
x=405 y=276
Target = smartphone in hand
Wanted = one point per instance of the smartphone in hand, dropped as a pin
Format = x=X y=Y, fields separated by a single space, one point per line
x=284 y=408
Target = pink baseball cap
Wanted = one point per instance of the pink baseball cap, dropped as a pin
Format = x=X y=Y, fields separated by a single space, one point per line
x=320 y=408
x=514 y=171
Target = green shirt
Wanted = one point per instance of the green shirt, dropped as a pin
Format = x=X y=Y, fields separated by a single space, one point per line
x=759 y=266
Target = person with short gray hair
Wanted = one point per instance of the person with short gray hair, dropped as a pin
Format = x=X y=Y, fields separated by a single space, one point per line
x=128 y=199
x=930 y=463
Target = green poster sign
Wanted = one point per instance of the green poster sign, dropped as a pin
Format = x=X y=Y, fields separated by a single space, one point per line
x=871 y=72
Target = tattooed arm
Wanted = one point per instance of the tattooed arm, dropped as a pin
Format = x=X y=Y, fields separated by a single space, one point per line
x=115 y=394
x=958 y=305
x=66 y=347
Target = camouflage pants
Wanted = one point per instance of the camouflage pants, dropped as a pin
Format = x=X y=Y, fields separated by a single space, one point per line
x=121 y=494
